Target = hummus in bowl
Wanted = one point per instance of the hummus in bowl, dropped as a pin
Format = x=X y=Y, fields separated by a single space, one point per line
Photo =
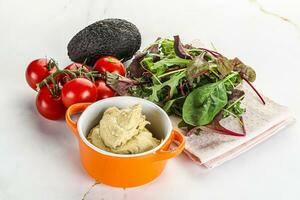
x=123 y=131
x=124 y=158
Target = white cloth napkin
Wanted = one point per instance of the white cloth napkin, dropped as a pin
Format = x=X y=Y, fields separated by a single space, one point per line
x=261 y=122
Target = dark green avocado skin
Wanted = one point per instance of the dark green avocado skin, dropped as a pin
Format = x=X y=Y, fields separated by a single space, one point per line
x=108 y=37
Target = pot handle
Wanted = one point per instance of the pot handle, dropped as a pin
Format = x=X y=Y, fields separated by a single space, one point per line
x=73 y=109
x=164 y=153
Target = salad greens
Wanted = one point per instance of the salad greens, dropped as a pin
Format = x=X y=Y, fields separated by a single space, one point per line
x=204 y=103
x=196 y=84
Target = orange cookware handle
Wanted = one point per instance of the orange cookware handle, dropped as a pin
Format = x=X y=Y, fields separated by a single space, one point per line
x=73 y=109
x=164 y=153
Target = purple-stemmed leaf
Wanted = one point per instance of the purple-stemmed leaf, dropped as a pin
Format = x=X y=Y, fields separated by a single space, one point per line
x=179 y=49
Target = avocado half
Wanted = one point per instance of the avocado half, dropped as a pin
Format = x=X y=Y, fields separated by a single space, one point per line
x=108 y=37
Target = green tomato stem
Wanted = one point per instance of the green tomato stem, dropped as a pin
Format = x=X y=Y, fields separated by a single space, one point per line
x=74 y=74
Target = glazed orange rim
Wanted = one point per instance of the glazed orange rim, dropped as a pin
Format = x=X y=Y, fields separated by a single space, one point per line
x=84 y=107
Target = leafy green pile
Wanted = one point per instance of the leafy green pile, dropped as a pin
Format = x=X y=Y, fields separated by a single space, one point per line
x=197 y=84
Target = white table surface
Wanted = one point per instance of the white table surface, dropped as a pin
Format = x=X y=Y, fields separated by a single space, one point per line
x=39 y=158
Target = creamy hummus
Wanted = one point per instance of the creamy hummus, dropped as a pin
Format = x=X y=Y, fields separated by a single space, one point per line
x=123 y=131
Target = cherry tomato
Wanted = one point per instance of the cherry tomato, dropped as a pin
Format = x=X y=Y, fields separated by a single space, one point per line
x=49 y=106
x=109 y=64
x=63 y=78
x=78 y=90
x=103 y=91
x=37 y=70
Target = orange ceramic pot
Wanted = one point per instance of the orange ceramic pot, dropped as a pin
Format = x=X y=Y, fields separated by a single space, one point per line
x=122 y=170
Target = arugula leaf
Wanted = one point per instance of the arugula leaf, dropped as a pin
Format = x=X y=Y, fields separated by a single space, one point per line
x=172 y=83
x=231 y=82
x=147 y=62
x=204 y=103
x=168 y=62
x=139 y=91
x=161 y=66
x=233 y=106
x=168 y=105
x=236 y=110
x=167 y=47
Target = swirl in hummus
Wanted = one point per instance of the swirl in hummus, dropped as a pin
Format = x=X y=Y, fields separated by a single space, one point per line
x=123 y=131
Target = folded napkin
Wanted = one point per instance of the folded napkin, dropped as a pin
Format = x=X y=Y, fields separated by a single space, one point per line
x=261 y=121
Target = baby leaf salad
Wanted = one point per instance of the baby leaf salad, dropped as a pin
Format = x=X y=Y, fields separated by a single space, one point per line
x=196 y=84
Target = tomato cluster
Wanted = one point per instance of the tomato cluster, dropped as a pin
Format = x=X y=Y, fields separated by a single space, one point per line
x=76 y=83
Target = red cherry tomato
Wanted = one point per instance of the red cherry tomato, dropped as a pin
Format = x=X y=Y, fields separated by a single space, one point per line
x=72 y=67
x=37 y=70
x=109 y=64
x=49 y=106
x=103 y=91
x=78 y=90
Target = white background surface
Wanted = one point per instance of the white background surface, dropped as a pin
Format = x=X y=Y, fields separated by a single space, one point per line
x=39 y=158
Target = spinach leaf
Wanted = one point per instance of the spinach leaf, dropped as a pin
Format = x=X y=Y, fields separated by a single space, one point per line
x=204 y=103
